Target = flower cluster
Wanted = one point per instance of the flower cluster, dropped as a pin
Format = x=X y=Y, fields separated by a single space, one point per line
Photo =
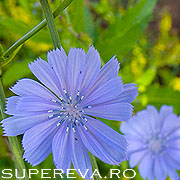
x=154 y=142
x=58 y=114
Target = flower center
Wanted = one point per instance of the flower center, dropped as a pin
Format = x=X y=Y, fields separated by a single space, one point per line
x=157 y=144
x=70 y=111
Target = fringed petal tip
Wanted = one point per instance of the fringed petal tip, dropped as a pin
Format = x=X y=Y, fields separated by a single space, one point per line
x=59 y=50
x=37 y=60
x=1 y=122
x=91 y=47
x=14 y=86
x=4 y=131
x=24 y=157
x=6 y=111
x=114 y=58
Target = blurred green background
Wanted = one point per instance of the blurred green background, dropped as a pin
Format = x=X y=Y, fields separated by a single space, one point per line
x=144 y=35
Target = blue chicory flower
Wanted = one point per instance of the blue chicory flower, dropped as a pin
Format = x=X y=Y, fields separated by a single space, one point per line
x=58 y=114
x=154 y=142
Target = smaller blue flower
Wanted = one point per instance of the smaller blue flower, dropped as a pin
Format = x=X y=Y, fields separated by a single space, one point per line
x=154 y=142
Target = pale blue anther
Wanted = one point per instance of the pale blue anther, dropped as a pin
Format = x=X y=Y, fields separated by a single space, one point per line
x=77 y=97
x=60 y=123
x=50 y=111
x=53 y=100
x=84 y=118
x=76 y=120
x=73 y=126
x=83 y=125
x=87 y=107
x=67 y=96
x=54 y=115
x=80 y=100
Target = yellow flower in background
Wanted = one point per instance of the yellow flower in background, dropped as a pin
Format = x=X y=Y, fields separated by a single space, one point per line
x=166 y=23
x=42 y=46
x=17 y=12
x=139 y=61
x=176 y=83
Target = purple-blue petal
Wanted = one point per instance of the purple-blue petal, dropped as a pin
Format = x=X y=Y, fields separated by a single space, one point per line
x=165 y=111
x=46 y=75
x=159 y=172
x=136 y=157
x=14 y=125
x=169 y=169
x=29 y=105
x=75 y=69
x=61 y=148
x=11 y=105
x=91 y=69
x=107 y=72
x=171 y=124
x=146 y=166
x=80 y=157
x=99 y=147
x=58 y=60
x=107 y=134
x=28 y=87
x=117 y=111
x=128 y=94
x=37 y=142
x=104 y=93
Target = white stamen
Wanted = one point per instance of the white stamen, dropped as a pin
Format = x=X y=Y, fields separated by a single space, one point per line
x=67 y=130
x=58 y=124
x=85 y=127
x=51 y=116
x=74 y=130
x=78 y=93
x=64 y=91
x=53 y=100
x=85 y=119
x=50 y=111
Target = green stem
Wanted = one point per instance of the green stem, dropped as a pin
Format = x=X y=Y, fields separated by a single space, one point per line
x=94 y=165
x=2 y=100
x=13 y=141
x=37 y=28
x=50 y=22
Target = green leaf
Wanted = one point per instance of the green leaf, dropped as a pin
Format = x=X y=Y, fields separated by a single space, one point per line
x=20 y=28
x=10 y=58
x=159 y=96
x=147 y=78
x=127 y=29
x=17 y=71
x=77 y=15
x=88 y=23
